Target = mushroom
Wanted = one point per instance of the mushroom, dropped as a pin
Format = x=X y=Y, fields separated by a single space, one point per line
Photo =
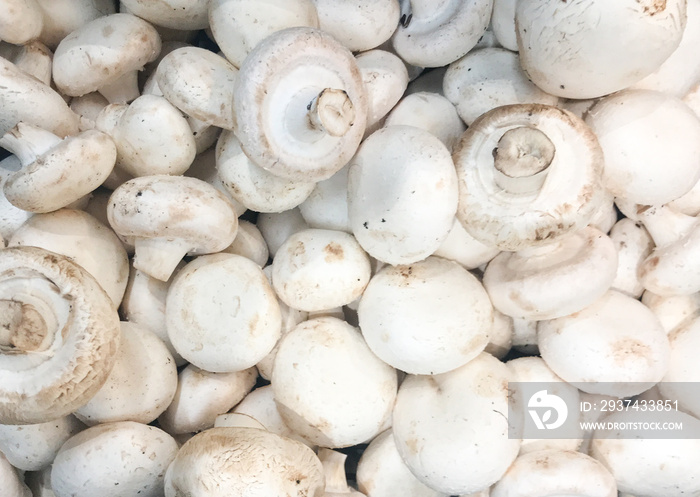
x=12 y=484
x=168 y=217
x=222 y=314
x=326 y=207
x=21 y=22
x=461 y=247
x=503 y=23
x=62 y=17
x=429 y=317
x=329 y=387
x=434 y=34
x=120 y=459
x=616 y=346
x=640 y=131
x=151 y=136
x=302 y=117
x=238 y=462
x=104 y=55
x=451 y=429
x=402 y=194
x=564 y=47
x=201 y=396
x=633 y=244
x=173 y=14
x=11 y=217
x=83 y=239
x=48 y=110
x=500 y=335
x=140 y=386
x=200 y=84
x=528 y=174
x=672 y=310
x=88 y=107
x=488 y=78
x=536 y=283
x=555 y=472
x=334 y=471
x=316 y=269
x=34 y=58
x=357 y=24
x=54 y=172
x=277 y=227
x=60 y=336
x=249 y=243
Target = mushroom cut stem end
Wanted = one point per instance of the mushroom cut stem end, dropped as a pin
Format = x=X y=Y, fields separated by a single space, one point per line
x=332 y=111
x=22 y=328
x=522 y=159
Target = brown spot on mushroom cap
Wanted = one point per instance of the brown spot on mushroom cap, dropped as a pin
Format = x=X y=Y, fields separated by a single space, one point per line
x=652 y=7
x=629 y=349
x=334 y=252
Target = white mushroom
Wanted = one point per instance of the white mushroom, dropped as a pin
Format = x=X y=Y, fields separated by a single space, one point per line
x=11 y=482
x=11 y=217
x=385 y=78
x=244 y=462
x=60 y=334
x=334 y=471
x=402 y=194
x=461 y=247
x=277 y=227
x=121 y=459
x=104 y=55
x=591 y=48
x=302 y=117
x=88 y=107
x=249 y=243
x=326 y=207
x=54 y=172
x=222 y=314
x=503 y=23
x=174 y=14
x=357 y=24
x=34 y=58
x=528 y=174
x=672 y=310
x=633 y=244
x=170 y=216
x=425 y=318
x=21 y=22
x=62 y=17
x=141 y=384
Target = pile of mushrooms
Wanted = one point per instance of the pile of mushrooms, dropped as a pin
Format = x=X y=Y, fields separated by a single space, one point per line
x=303 y=247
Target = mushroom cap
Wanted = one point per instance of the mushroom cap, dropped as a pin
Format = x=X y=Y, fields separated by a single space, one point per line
x=21 y=22
x=358 y=24
x=12 y=483
x=402 y=194
x=244 y=462
x=326 y=207
x=249 y=243
x=633 y=244
x=62 y=17
x=306 y=62
x=438 y=33
x=683 y=371
x=38 y=387
x=445 y=423
x=121 y=459
x=539 y=284
x=571 y=194
x=174 y=14
x=59 y=176
x=461 y=247
x=222 y=314
x=385 y=78
x=102 y=50
x=593 y=48
x=425 y=318
x=199 y=83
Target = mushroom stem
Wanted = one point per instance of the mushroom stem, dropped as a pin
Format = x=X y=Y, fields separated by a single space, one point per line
x=28 y=142
x=122 y=90
x=331 y=111
x=158 y=257
x=522 y=159
x=334 y=470
x=22 y=328
x=665 y=225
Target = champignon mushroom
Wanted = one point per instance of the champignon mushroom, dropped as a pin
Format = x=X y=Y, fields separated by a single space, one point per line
x=56 y=172
x=683 y=371
x=334 y=471
x=357 y=24
x=244 y=462
x=528 y=174
x=173 y=14
x=461 y=247
x=62 y=17
x=326 y=207
x=672 y=310
x=633 y=244
x=168 y=217
x=34 y=58
x=11 y=482
x=60 y=333
x=302 y=117
x=249 y=243
x=277 y=227
x=21 y=22
x=105 y=55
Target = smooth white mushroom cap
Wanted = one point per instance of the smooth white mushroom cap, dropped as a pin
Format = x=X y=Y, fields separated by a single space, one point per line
x=385 y=77
x=672 y=310
x=451 y=429
x=170 y=216
x=239 y=26
x=683 y=371
x=114 y=460
x=326 y=207
x=649 y=141
x=249 y=243
x=357 y=24
x=488 y=78
x=62 y=17
x=461 y=247
x=317 y=269
x=437 y=33
x=174 y=14
x=402 y=194
x=328 y=385
x=222 y=314
x=555 y=472
x=500 y=335
x=33 y=447
x=538 y=283
x=11 y=218
x=593 y=48
x=616 y=346
x=528 y=173
x=60 y=335
x=21 y=22
x=503 y=23
x=425 y=318
x=244 y=462
x=88 y=107
x=99 y=53
x=141 y=384
x=201 y=396
x=200 y=84
x=302 y=117
x=276 y=227
x=34 y=58
x=11 y=482
x=85 y=240
x=633 y=244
